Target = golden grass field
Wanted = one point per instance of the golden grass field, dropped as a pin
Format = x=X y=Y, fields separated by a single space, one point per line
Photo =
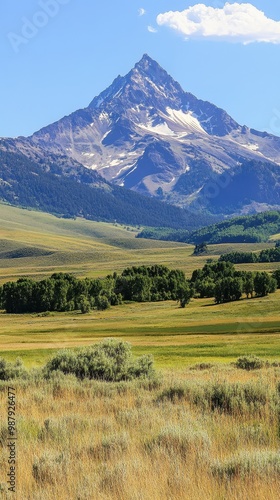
x=120 y=441
x=125 y=441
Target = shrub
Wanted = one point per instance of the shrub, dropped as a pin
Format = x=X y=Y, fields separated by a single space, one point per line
x=256 y=433
x=9 y=370
x=178 y=439
x=113 y=445
x=110 y=360
x=246 y=463
x=65 y=361
x=173 y=393
x=49 y=468
x=114 y=479
x=230 y=398
x=249 y=363
x=202 y=366
x=54 y=430
x=4 y=435
x=222 y=396
x=142 y=367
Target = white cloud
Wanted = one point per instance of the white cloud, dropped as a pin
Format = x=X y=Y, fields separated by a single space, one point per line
x=141 y=12
x=235 y=22
x=151 y=29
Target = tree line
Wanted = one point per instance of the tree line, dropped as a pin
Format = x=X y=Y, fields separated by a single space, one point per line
x=64 y=292
x=79 y=192
x=267 y=255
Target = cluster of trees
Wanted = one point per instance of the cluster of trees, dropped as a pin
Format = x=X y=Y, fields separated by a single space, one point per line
x=152 y=283
x=164 y=233
x=267 y=255
x=61 y=292
x=200 y=248
x=223 y=282
x=65 y=292
x=243 y=229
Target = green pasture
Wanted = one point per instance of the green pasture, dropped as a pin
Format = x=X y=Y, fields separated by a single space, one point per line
x=176 y=337
x=36 y=244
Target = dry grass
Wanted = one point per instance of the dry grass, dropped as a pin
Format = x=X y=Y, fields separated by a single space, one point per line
x=92 y=440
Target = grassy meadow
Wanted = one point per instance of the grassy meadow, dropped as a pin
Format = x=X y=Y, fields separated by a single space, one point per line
x=198 y=431
x=171 y=438
x=176 y=337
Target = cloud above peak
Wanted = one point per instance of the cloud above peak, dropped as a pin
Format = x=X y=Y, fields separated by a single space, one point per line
x=235 y=22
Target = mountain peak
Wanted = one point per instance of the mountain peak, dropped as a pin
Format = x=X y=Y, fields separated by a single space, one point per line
x=149 y=68
x=146 y=63
x=147 y=82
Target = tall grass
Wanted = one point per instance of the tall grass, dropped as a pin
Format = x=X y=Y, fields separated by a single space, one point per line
x=147 y=439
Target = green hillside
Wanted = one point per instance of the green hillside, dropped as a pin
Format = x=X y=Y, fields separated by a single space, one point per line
x=37 y=244
x=244 y=229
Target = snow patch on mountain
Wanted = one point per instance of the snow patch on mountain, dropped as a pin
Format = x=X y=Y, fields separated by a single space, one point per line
x=176 y=123
x=252 y=147
x=161 y=129
x=187 y=121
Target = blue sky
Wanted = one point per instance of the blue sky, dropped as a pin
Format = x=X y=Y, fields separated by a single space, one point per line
x=56 y=55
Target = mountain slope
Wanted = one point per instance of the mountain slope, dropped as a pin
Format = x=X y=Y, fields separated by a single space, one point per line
x=24 y=182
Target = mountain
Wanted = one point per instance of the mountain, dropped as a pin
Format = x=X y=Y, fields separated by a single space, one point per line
x=145 y=133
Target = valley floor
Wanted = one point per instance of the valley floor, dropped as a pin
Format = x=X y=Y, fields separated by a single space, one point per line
x=36 y=244
x=193 y=433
